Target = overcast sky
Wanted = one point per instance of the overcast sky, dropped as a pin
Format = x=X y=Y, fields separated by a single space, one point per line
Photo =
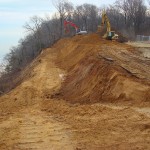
x=14 y=14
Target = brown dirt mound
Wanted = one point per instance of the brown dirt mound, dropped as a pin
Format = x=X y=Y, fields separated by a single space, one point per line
x=101 y=70
x=31 y=119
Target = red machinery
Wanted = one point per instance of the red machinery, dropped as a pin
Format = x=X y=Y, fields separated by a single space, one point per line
x=66 y=23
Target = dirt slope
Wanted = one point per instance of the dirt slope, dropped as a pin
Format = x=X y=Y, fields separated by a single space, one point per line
x=101 y=70
x=37 y=81
x=35 y=115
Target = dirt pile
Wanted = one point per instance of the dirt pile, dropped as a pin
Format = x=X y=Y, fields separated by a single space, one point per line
x=102 y=71
x=96 y=70
x=90 y=70
x=36 y=83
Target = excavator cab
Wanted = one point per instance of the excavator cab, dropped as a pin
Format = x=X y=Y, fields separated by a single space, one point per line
x=81 y=32
x=111 y=35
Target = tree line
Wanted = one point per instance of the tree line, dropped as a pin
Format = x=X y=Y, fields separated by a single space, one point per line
x=130 y=17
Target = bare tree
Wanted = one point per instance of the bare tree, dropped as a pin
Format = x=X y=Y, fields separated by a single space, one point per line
x=92 y=18
x=64 y=8
x=116 y=17
x=34 y=27
x=83 y=12
x=134 y=12
x=86 y=16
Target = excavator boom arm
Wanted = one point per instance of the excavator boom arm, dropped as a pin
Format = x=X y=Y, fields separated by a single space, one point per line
x=70 y=23
x=106 y=21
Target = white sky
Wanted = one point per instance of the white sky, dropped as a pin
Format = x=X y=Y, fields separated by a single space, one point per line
x=14 y=14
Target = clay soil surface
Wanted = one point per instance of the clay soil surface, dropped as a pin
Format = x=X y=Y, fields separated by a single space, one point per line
x=142 y=47
x=81 y=94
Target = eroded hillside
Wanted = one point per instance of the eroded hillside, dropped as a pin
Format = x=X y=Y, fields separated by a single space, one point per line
x=104 y=71
x=83 y=93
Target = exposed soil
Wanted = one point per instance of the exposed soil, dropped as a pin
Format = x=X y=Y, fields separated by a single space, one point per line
x=104 y=71
x=111 y=80
x=143 y=48
x=33 y=129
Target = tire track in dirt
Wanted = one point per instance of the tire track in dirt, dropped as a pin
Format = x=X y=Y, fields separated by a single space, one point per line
x=34 y=130
x=88 y=127
x=29 y=128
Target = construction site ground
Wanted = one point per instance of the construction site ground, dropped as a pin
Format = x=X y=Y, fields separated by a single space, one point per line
x=83 y=93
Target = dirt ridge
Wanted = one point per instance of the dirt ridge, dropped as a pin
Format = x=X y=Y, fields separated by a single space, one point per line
x=45 y=110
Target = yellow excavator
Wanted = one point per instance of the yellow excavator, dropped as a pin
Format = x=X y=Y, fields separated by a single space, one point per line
x=110 y=35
